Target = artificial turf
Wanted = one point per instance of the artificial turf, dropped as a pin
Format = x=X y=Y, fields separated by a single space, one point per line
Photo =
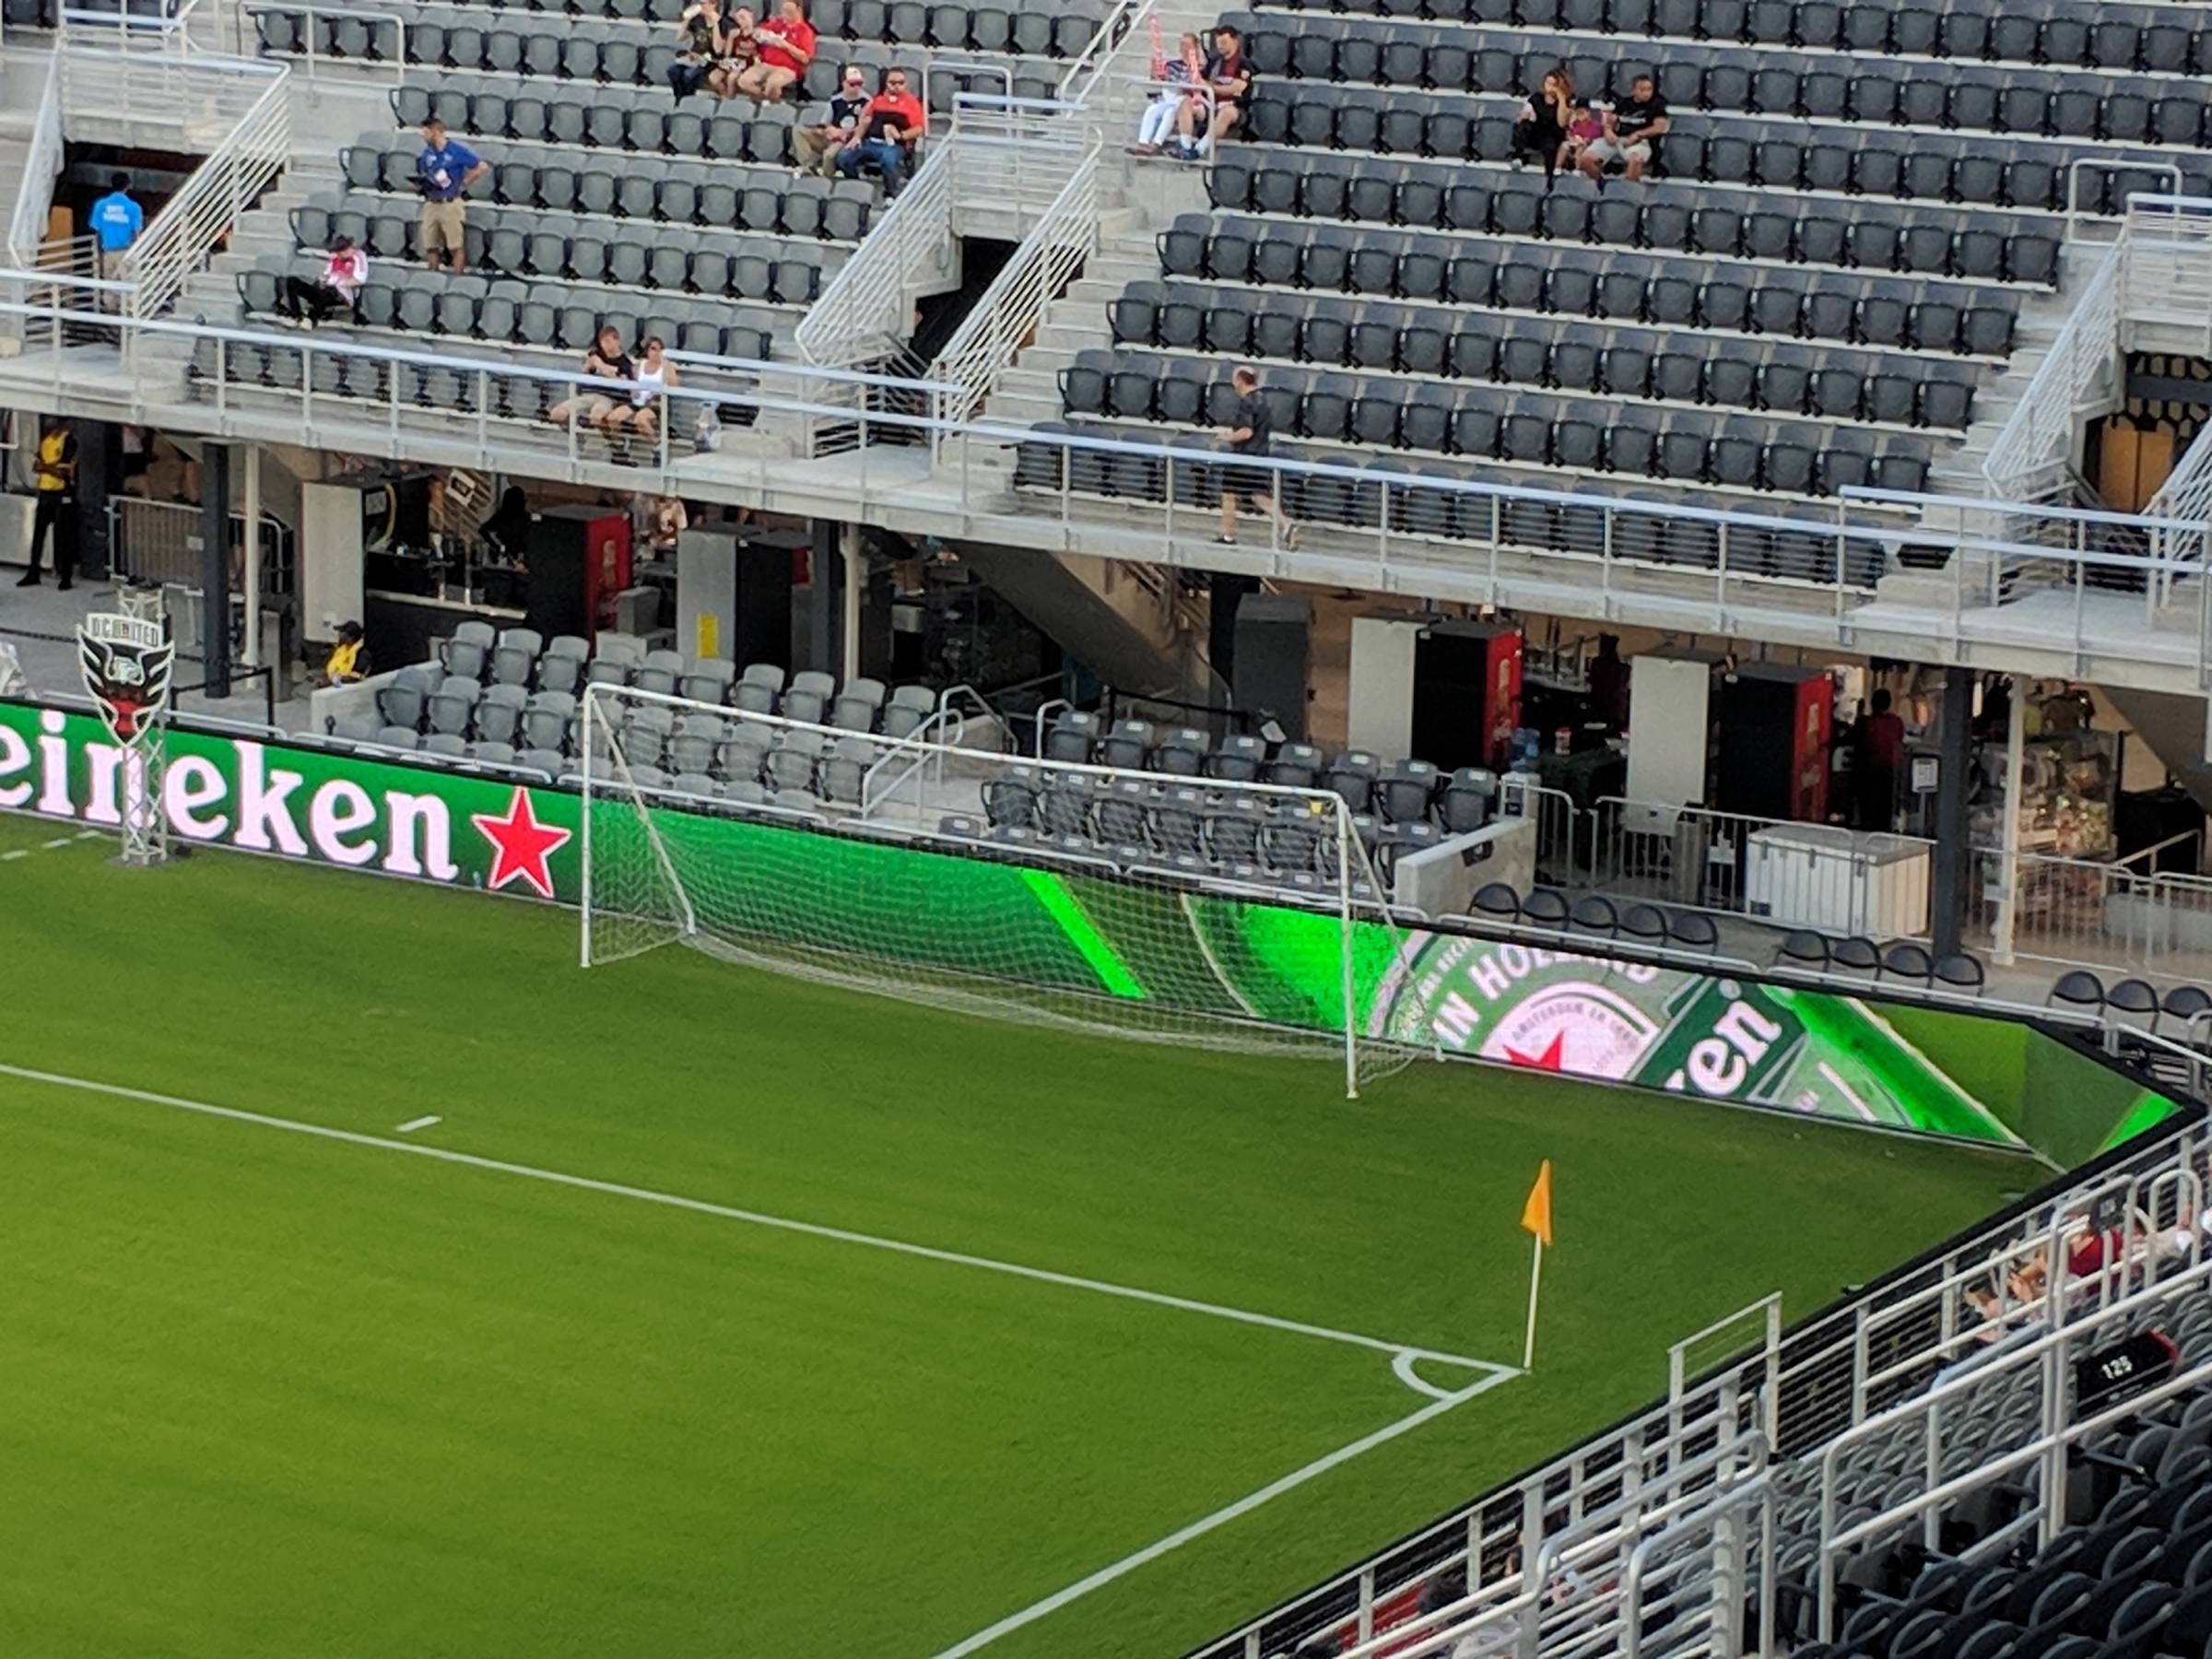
x=267 y=1394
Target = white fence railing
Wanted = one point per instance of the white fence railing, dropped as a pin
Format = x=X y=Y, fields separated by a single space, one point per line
x=324 y=33
x=1008 y=315
x=197 y=220
x=41 y=166
x=866 y=311
x=2033 y=457
x=2166 y=277
x=191 y=101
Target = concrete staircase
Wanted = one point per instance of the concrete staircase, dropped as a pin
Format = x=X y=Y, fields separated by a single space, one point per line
x=22 y=80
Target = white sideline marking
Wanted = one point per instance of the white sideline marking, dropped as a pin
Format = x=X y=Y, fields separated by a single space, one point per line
x=1221 y=1517
x=1494 y=1373
x=59 y=840
x=18 y=852
x=92 y=835
x=421 y=1123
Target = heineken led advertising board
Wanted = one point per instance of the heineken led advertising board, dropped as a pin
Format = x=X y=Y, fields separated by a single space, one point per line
x=1707 y=1036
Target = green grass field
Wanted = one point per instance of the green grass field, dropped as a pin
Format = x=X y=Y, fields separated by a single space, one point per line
x=273 y=1393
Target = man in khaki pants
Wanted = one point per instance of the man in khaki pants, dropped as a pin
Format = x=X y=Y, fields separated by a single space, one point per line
x=443 y=172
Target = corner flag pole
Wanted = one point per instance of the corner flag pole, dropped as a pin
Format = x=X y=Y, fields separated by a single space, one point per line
x=1536 y=1217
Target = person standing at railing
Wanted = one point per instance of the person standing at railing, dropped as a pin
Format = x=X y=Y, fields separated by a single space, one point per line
x=890 y=127
x=116 y=221
x=443 y=172
x=54 y=470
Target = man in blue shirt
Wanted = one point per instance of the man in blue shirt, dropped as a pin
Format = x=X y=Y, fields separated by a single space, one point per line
x=443 y=172
x=116 y=221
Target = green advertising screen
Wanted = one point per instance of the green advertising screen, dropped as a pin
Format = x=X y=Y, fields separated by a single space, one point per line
x=1141 y=948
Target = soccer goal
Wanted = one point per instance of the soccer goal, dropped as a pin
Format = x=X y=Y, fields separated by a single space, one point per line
x=1180 y=910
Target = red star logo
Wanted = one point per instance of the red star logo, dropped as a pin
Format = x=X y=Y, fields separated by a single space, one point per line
x=1553 y=1058
x=521 y=845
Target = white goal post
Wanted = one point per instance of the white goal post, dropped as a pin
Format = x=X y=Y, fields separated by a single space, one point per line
x=1228 y=915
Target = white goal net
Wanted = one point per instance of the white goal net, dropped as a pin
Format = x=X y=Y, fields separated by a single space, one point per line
x=1178 y=909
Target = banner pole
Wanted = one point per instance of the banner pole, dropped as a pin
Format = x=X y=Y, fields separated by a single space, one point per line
x=1535 y=1281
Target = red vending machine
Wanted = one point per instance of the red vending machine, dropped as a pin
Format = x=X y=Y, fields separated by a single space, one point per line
x=1772 y=759
x=1466 y=694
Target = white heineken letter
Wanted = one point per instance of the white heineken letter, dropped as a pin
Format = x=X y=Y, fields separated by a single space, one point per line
x=15 y=757
x=339 y=809
x=264 y=815
x=103 y=765
x=188 y=788
x=410 y=813
x=53 y=762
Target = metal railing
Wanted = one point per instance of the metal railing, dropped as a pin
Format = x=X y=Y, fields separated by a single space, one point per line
x=1762 y=573
x=2078 y=377
x=203 y=215
x=2168 y=268
x=1010 y=312
x=41 y=166
x=2186 y=497
x=350 y=37
x=194 y=99
x=866 y=311
x=2079 y=217
x=1126 y=23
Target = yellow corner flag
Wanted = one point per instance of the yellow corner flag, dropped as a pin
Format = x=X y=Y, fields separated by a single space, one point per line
x=1536 y=1217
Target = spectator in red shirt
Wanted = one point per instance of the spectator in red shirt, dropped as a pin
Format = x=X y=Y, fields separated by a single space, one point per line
x=890 y=124
x=786 y=44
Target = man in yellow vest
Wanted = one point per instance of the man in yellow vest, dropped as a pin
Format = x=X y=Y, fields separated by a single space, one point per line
x=56 y=472
x=349 y=659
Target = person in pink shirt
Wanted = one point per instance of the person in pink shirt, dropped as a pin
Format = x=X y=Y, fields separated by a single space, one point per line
x=344 y=272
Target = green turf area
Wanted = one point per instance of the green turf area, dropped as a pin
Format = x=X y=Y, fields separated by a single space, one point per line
x=264 y=1393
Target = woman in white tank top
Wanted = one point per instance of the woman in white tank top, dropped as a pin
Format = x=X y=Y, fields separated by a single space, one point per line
x=654 y=374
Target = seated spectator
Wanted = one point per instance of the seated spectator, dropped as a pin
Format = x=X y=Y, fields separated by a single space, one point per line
x=786 y=47
x=889 y=127
x=1585 y=126
x=1633 y=129
x=1201 y=128
x=344 y=273
x=655 y=375
x=665 y=523
x=1181 y=72
x=1541 y=132
x=818 y=146
x=349 y=659
x=701 y=51
x=606 y=407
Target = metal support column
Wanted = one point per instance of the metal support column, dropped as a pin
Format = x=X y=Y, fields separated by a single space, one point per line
x=852 y=554
x=2009 y=827
x=825 y=566
x=1954 y=859
x=215 y=568
x=251 y=492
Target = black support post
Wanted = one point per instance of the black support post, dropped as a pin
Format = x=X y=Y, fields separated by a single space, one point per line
x=215 y=568
x=1954 y=860
x=825 y=598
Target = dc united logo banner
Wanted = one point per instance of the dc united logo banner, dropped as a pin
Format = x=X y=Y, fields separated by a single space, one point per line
x=126 y=662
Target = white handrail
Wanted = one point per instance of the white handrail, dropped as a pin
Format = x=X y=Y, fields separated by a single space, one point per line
x=866 y=310
x=307 y=11
x=2034 y=449
x=41 y=166
x=205 y=213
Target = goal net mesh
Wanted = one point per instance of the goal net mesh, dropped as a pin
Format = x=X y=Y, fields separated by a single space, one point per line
x=1080 y=897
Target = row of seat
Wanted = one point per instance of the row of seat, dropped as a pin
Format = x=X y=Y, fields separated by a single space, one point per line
x=1596 y=916
x=1904 y=960
x=500 y=311
x=1529 y=429
x=1830 y=86
x=1659 y=216
x=1064 y=30
x=2062 y=33
x=1573 y=281
x=1784 y=377
x=1244 y=837
x=564 y=247
x=1779 y=152
x=1414 y=502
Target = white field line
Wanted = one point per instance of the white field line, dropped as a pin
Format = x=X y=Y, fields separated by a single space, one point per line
x=413 y=1123
x=1221 y=1517
x=1493 y=1373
